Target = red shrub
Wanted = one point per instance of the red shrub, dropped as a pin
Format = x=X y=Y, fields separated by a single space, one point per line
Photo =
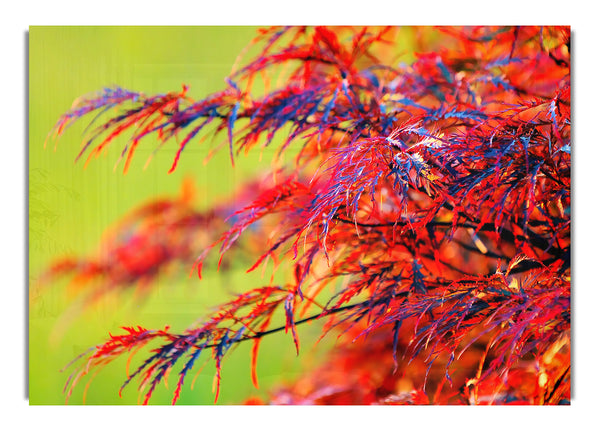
x=434 y=196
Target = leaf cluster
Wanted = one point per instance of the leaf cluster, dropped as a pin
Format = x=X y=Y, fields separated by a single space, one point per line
x=433 y=198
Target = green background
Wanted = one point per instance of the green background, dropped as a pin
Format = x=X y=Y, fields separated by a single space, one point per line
x=69 y=207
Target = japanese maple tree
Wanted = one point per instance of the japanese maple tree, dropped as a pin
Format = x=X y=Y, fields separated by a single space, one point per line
x=424 y=217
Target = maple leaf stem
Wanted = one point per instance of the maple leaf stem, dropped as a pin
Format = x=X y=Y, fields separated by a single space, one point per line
x=325 y=313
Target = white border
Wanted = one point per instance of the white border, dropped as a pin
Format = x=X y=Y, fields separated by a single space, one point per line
x=16 y=18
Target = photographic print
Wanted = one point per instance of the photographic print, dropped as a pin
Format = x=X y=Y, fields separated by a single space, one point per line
x=329 y=215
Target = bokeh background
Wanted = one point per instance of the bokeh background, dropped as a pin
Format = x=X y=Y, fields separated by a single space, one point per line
x=70 y=207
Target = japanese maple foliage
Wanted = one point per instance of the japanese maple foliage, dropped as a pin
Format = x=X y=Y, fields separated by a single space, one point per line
x=425 y=218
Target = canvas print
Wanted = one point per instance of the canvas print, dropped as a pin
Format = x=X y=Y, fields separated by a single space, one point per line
x=300 y=215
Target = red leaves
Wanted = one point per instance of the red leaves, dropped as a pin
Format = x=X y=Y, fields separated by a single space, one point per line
x=117 y=345
x=438 y=192
x=286 y=197
x=151 y=238
x=289 y=319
